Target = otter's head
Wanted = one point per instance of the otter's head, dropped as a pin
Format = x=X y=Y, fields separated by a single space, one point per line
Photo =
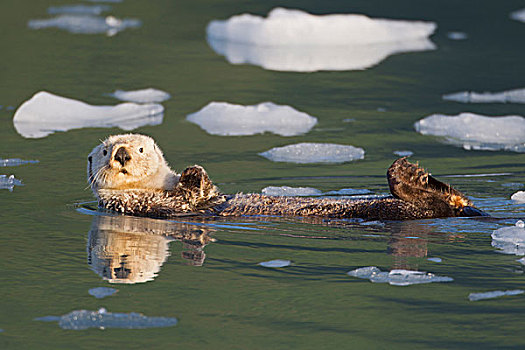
x=129 y=161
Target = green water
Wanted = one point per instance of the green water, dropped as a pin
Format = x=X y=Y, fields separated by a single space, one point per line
x=229 y=302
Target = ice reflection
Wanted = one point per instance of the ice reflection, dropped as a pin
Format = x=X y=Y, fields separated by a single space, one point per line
x=125 y=249
x=315 y=58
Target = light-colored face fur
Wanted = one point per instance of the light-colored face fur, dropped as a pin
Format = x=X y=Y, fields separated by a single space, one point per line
x=129 y=161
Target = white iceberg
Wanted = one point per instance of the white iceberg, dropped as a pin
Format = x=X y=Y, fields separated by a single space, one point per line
x=141 y=96
x=457 y=35
x=493 y=294
x=521 y=261
x=510 y=240
x=46 y=113
x=290 y=191
x=477 y=132
x=510 y=96
x=397 y=277
x=307 y=152
x=403 y=153
x=518 y=197
x=9 y=182
x=518 y=15
x=275 y=263
x=347 y=192
x=293 y=40
x=78 y=9
x=84 y=319
x=15 y=162
x=225 y=119
x=437 y=260
x=102 y=292
x=85 y=24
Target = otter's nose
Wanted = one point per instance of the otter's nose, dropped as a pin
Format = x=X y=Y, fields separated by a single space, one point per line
x=122 y=156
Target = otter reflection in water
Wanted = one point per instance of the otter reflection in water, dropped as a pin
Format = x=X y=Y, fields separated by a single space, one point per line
x=124 y=249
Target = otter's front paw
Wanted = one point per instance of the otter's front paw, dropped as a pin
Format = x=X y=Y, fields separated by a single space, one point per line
x=195 y=178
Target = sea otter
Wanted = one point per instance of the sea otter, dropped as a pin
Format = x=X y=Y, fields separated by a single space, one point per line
x=128 y=174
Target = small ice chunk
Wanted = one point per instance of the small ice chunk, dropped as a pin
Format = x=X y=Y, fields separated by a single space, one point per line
x=397 y=277
x=457 y=35
x=9 y=182
x=493 y=294
x=510 y=96
x=521 y=261
x=107 y=1
x=438 y=260
x=46 y=113
x=477 y=132
x=275 y=263
x=84 y=319
x=513 y=185
x=225 y=119
x=85 y=24
x=15 y=162
x=518 y=15
x=78 y=9
x=142 y=96
x=102 y=292
x=290 y=191
x=518 y=197
x=314 y=153
x=372 y=223
x=347 y=192
x=293 y=40
x=510 y=240
x=403 y=153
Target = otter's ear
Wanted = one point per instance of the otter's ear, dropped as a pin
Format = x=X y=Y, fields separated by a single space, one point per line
x=413 y=184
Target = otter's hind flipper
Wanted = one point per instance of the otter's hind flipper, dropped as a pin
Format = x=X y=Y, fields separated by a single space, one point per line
x=413 y=184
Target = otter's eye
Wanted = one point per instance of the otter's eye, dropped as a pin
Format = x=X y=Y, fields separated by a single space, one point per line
x=141 y=150
x=90 y=159
x=104 y=152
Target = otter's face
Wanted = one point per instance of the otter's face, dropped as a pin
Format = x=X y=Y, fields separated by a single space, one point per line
x=125 y=162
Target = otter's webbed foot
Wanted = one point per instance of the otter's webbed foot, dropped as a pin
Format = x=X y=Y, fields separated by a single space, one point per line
x=413 y=184
x=197 y=188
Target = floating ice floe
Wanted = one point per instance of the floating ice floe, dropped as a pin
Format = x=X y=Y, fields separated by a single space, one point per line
x=310 y=191
x=403 y=153
x=493 y=294
x=275 y=263
x=225 y=119
x=78 y=9
x=290 y=191
x=107 y=1
x=293 y=40
x=457 y=35
x=347 y=192
x=509 y=96
x=9 y=182
x=521 y=261
x=477 y=132
x=397 y=277
x=15 y=162
x=102 y=292
x=314 y=153
x=84 y=319
x=510 y=240
x=437 y=260
x=141 y=96
x=86 y=24
x=46 y=113
x=518 y=197
x=518 y=15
